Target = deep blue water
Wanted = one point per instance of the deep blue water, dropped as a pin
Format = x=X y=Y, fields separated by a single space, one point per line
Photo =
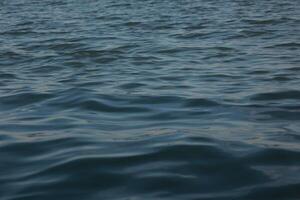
x=153 y=99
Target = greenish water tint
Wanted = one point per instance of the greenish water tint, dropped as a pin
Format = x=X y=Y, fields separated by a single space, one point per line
x=104 y=99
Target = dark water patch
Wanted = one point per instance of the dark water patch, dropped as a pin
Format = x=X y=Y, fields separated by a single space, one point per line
x=175 y=115
x=219 y=76
x=222 y=48
x=191 y=35
x=119 y=5
x=47 y=69
x=282 y=115
x=40 y=145
x=132 y=24
x=23 y=99
x=7 y=76
x=96 y=53
x=259 y=72
x=94 y=105
x=180 y=49
x=263 y=21
x=281 y=78
x=97 y=105
x=156 y=100
x=13 y=54
x=274 y=157
x=200 y=103
x=280 y=95
x=25 y=31
x=172 y=78
x=294 y=69
x=275 y=192
x=132 y=85
x=140 y=172
x=287 y=45
x=75 y=64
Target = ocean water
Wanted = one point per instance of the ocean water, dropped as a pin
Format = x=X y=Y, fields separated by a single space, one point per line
x=152 y=99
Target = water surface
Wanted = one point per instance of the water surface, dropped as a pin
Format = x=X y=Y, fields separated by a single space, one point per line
x=182 y=99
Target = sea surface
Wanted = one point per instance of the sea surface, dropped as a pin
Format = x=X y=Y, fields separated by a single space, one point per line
x=150 y=99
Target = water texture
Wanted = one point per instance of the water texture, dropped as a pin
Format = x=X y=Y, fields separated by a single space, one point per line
x=153 y=99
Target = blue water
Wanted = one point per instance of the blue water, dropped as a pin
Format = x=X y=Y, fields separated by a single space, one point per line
x=128 y=99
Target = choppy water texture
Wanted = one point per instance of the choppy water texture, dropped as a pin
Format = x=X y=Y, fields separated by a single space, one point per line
x=154 y=99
